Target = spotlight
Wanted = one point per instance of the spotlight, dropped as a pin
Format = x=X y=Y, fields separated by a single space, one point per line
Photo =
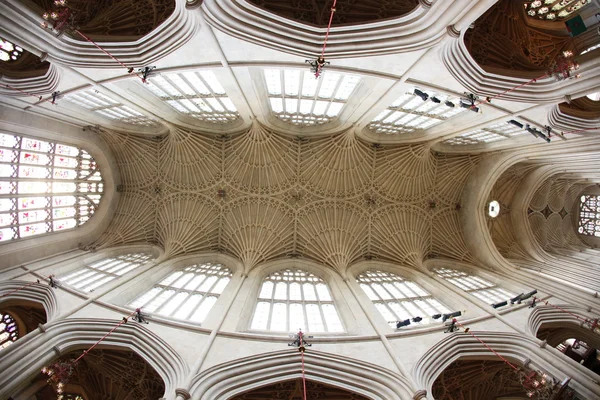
x=537 y=133
x=454 y=314
x=436 y=316
x=417 y=319
x=400 y=324
x=516 y=299
x=548 y=130
x=528 y=295
x=424 y=96
x=516 y=123
x=451 y=327
x=436 y=100
x=449 y=104
x=469 y=102
x=500 y=304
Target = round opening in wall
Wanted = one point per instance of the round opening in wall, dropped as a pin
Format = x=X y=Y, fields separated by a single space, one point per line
x=493 y=209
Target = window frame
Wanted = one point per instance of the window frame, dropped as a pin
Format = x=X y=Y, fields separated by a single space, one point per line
x=591 y=219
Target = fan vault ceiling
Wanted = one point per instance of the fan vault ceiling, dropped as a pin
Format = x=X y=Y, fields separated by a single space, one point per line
x=261 y=195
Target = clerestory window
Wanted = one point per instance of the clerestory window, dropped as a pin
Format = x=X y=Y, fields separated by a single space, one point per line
x=188 y=294
x=101 y=272
x=45 y=187
x=398 y=299
x=589 y=215
x=297 y=97
x=478 y=287
x=294 y=299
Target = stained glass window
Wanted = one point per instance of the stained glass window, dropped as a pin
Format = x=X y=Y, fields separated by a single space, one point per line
x=9 y=51
x=410 y=112
x=9 y=332
x=293 y=299
x=589 y=215
x=108 y=107
x=297 y=97
x=195 y=93
x=398 y=299
x=45 y=187
x=478 y=287
x=188 y=294
x=489 y=134
x=100 y=272
x=553 y=9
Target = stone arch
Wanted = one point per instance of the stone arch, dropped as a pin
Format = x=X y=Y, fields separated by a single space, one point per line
x=64 y=336
x=40 y=294
x=223 y=381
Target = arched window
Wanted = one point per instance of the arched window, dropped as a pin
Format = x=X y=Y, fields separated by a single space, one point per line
x=9 y=51
x=478 y=287
x=398 y=299
x=100 y=272
x=294 y=299
x=589 y=215
x=188 y=294
x=297 y=97
x=45 y=187
x=9 y=332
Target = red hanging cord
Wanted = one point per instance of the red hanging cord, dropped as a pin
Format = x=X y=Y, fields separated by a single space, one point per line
x=580 y=130
x=486 y=345
x=563 y=310
x=22 y=91
x=125 y=319
x=300 y=334
x=489 y=99
x=21 y=288
x=108 y=54
x=328 y=27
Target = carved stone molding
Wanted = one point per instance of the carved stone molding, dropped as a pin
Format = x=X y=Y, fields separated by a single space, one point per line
x=183 y=393
x=420 y=394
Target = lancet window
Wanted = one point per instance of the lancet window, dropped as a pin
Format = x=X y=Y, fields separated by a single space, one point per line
x=197 y=94
x=45 y=187
x=108 y=107
x=101 y=272
x=416 y=110
x=478 y=287
x=294 y=299
x=297 y=97
x=398 y=299
x=188 y=294
x=589 y=215
x=9 y=332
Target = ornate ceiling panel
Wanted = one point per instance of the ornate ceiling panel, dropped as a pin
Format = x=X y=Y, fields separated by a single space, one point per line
x=293 y=390
x=477 y=380
x=261 y=195
x=317 y=12
x=27 y=65
x=502 y=42
x=121 y=20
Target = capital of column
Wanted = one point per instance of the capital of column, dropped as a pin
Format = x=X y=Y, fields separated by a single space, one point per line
x=420 y=394
x=183 y=394
x=425 y=3
x=193 y=4
x=453 y=32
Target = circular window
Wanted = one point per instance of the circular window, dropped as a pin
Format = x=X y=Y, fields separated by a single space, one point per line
x=493 y=209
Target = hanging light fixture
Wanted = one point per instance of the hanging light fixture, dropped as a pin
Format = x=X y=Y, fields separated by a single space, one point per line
x=564 y=67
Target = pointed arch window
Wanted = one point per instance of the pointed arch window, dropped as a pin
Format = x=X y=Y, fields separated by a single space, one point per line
x=589 y=215
x=45 y=187
x=9 y=332
x=398 y=299
x=478 y=287
x=188 y=294
x=294 y=299
x=101 y=272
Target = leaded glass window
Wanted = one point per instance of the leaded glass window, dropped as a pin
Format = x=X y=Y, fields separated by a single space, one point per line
x=9 y=332
x=410 y=113
x=101 y=272
x=478 y=287
x=195 y=93
x=589 y=215
x=45 y=187
x=398 y=299
x=293 y=299
x=489 y=134
x=297 y=97
x=553 y=9
x=9 y=51
x=188 y=294
x=108 y=107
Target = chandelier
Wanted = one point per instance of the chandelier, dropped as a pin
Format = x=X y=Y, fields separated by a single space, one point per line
x=564 y=67
x=59 y=375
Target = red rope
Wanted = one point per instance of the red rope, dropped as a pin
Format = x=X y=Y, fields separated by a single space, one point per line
x=22 y=91
x=105 y=336
x=21 y=288
x=563 y=310
x=328 y=27
x=580 y=130
x=302 y=356
x=486 y=345
x=489 y=99
x=108 y=54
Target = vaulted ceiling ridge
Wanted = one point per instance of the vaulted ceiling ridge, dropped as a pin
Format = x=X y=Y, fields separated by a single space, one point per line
x=263 y=195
